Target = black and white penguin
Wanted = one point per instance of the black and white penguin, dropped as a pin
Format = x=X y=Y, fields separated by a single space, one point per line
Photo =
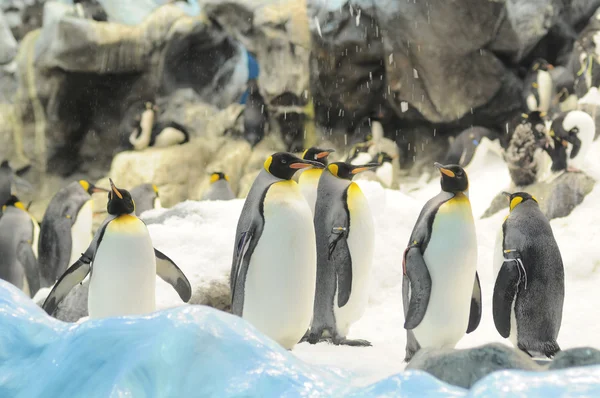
x=125 y=265
x=66 y=229
x=255 y=114
x=19 y=234
x=538 y=88
x=359 y=154
x=530 y=287
x=345 y=241
x=146 y=198
x=385 y=168
x=162 y=134
x=309 y=178
x=573 y=133
x=219 y=188
x=274 y=263
x=463 y=147
x=440 y=288
x=8 y=178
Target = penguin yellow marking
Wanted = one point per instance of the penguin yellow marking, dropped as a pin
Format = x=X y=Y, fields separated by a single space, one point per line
x=155 y=188
x=355 y=198
x=534 y=198
x=68 y=216
x=226 y=177
x=84 y=184
x=268 y=162
x=214 y=178
x=447 y=172
x=543 y=114
x=127 y=224
x=458 y=203
x=19 y=205
x=505 y=218
x=310 y=175
x=534 y=85
x=304 y=154
x=514 y=202
x=524 y=115
x=333 y=168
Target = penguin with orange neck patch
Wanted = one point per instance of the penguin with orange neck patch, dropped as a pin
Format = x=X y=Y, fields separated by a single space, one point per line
x=309 y=179
x=440 y=288
x=125 y=264
x=219 y=187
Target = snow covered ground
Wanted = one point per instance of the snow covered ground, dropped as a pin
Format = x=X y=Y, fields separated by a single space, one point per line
x=199 y=237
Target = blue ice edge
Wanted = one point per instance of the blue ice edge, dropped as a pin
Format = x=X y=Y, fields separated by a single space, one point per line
x=196 y=351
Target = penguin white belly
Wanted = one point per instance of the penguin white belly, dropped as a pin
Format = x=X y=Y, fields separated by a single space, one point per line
x=309 y=182
x=36 y=237
x=385 y=174
x=451 y=258
x=168 y=137
x=280 y=284
x=81 y=232
x=361 y=158
x=361 y=241
x=123 y=279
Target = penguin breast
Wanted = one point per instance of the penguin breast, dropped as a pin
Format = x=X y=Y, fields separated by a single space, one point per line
x=309 y=183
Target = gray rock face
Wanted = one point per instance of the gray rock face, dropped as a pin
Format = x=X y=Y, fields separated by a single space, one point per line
x=8 y=44
x=463 y=368
x=583 y=356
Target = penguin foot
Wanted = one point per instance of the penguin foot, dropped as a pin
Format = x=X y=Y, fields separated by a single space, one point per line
x=352 y=343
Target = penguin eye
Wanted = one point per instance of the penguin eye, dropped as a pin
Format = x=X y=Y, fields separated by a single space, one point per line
x=283 y=161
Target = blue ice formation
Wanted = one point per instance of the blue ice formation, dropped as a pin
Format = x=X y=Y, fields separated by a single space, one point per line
x=196 y=351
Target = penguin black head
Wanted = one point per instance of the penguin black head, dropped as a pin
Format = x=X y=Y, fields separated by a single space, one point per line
x=454 y=178
x=541 y=64
x=119 y=201
x=14 y=202
x=347 y=171
x=5 y=165
x=383 y=157
x=90 y=188
x=284 y=165
x=518 y=198
x=317 y=155
x=217 y=176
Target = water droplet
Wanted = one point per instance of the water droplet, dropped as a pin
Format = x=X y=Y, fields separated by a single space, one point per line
x=415 y=73
x=403 y=106
x=318 y=27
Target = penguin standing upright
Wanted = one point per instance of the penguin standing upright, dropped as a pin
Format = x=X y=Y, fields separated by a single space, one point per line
x=66 y=229
x=359 y=154
x=18 y=244
x=530 y=284
x=7 y=179
x=463 y=148
x=309 y=179
x=385 y=169
x=219 y=187
x=538 y=87
x=255 y=115
x=145 y=197
x=345 y=240
x=124 y=263
x=274 y=258
x=440 y=288
x=573 y=133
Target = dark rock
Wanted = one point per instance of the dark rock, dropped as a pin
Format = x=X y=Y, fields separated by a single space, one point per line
x=557 y=197
x=583 y=356
x=463 y=368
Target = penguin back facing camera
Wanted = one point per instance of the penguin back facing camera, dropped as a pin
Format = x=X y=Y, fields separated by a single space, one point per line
x=255 y=115
x=463 y=148
x=219 y=188
x=146 y=197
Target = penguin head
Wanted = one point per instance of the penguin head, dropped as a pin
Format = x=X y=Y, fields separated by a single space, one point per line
x=347 y=171
x=383 y=157
x=90 y=188
x=14 y=202
x=541 y=64
x=217 y=176
x=5 y=165
x=518 y=197
x=454 y=178
x=359 y=148
x=119 y=201
x=317 y=155
x=284 y=165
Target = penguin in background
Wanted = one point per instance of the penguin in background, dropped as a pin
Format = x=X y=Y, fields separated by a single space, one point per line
x=529 y=289
x=463 y=147
x=157 y=135
x=573 y=133
x=125 y=265
x=255 y=115
x=309 y=178
x=345 y=241
x=441 y=293
x=359 y=154
x=219 y=187
x=19 y=234
x=273 y=270
x=8 y=178
x=538 y=88
x=146 y=198
x=66 y=229
x=385 y=168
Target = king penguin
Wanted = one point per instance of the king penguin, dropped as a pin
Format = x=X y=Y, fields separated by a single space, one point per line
x=440 y=288
x=7 y=179
x=345 y=240
x=538 y=87
x=145 y=197
x=219 y=188
x=274 y=258
x=124 y=261
x=309 y=178
x=19 y=233
x=66 y=229
x=530 y=283
x=574 y=131
x=385 y=168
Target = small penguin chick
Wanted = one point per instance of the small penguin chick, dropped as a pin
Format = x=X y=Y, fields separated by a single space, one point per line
x=284 y=165
x=119 y=201
x=347 y=171
x=453 y=178
x=317 y=155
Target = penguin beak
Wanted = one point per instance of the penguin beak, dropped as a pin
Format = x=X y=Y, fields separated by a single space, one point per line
x=565 y=143
x=444 y=170
x=325 y=153
x=364 y=167
x=506 y=194
x=303 y=164
x=114 y=189
x=95 y=189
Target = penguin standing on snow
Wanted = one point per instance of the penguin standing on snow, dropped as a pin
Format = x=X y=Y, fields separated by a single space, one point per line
x=66 y=229
x=219 y=188
x=573 y=133
x=385 y=169
x=145 y=197
x=122 y=281
x=359 y=154
x=18 y=244
x=465 y=144
x=255 y=115
x=345 y=240
x=440 y=288
x=530 y=284
x=309 y=178
x=274 y=258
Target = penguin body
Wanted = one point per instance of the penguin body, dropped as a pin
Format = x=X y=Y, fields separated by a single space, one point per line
x=309 y=179
x=345 y=241
x=274 y=261
x=166 y=134
x=538 y=87
x=440 y=289
x=219 y=188
x=18 y=244
x=255 y=115
x=463 y=148
x=529 y=289
x=385 y=170
x=124 y=263
x=66 y=230
x=359 y=154
x=7 y=179
x=146 y=198
x=574 y=131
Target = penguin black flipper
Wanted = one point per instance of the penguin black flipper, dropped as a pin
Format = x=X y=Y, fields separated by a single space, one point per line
x=476 y=310
x=339 y=253
x=170 y=273
x=505 y=291
x=420 y=287
x=27 y=259
x=54 y=247
x=246 y=245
